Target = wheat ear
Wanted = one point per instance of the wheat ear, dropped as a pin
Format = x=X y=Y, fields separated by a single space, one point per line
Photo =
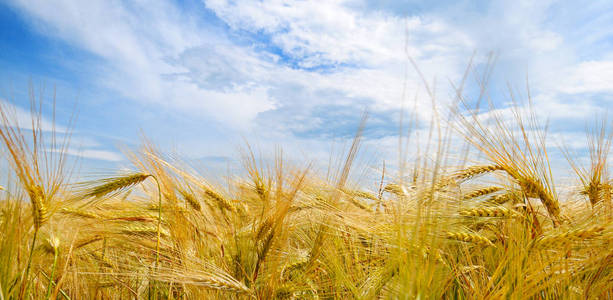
x=39 y=209
x=115 y=184
x=482 y=192
x=500 y=199
x=361 y=194
x=488 y=212
x=359 y=204
x=534 y=188
x=191 y=200
x=569 y=236
x=395 y=189
x=596 y=191
x=473 y=171
x=469 y=238
x=222 y=202
x=79 y=213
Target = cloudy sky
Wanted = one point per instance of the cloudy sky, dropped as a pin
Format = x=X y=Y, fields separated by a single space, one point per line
x=201 y=77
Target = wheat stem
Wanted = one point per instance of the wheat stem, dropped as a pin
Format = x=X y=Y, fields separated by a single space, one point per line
x=25 y=282
x=159 y=227
x=56 y=253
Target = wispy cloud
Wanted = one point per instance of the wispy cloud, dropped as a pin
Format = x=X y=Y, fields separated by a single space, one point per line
x=28 y=120
x=96 y=154
x=305 y=70
x=588 y=77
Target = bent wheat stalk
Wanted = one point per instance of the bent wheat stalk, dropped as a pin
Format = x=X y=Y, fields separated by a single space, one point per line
x=115 y=185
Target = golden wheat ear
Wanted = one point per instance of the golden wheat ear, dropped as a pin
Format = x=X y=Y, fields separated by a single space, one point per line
x=39 y=208
x=395 y=189
x=112 y=186
x=79 y=213
x=482 y=192
x=220 y=200
x=501 y=198
x=474 y=171
x=491 y=212
x=190 y=198
x=468 y=237
x=573 y=235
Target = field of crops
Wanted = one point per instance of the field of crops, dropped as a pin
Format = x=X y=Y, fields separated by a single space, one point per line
x=430 y=228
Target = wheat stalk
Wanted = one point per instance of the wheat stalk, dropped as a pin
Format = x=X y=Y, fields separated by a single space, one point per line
x=117 y=184
x=54 y=242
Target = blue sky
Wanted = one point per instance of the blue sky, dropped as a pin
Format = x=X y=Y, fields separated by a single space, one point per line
x=199 y=77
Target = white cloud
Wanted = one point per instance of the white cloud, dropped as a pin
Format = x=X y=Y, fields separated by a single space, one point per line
x=294 y=57
x=136 y=41
x=319 y=31
x=96 y=154
x=588 y=77
x=364 y=52
x=25 y=119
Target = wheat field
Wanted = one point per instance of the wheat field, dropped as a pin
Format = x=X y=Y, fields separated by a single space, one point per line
x=432 y=228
